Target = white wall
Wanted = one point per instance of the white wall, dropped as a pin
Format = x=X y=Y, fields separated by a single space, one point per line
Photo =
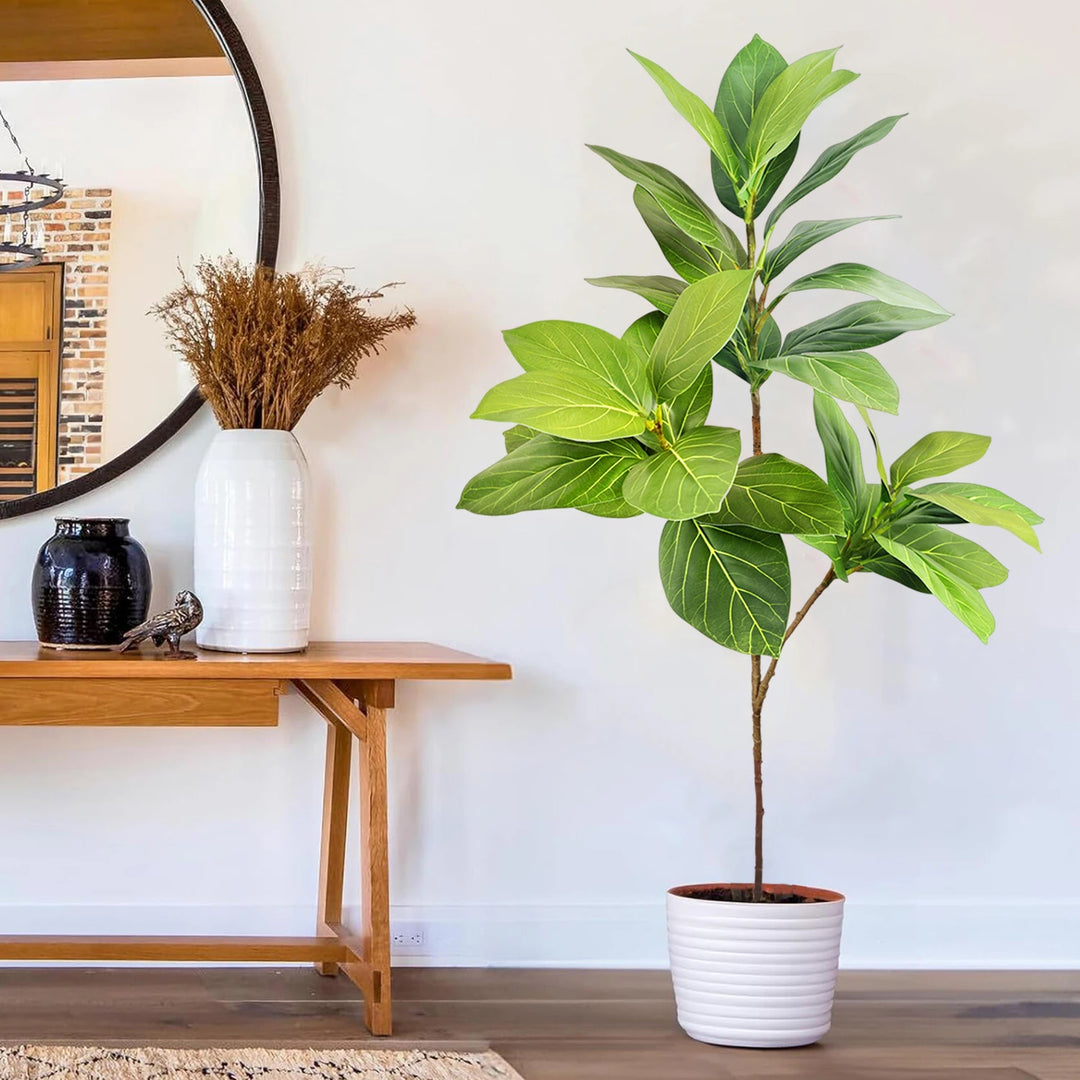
x=928 y=777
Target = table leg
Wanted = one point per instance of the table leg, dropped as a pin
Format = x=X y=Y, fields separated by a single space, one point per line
x=334 y=835
x=375 y=861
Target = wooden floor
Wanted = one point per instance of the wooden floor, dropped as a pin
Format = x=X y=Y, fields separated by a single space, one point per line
x=568 y=1025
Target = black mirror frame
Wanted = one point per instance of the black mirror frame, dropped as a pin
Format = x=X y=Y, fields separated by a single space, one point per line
x=232 y=43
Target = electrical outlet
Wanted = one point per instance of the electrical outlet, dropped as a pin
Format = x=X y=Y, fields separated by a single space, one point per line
x=408 y=938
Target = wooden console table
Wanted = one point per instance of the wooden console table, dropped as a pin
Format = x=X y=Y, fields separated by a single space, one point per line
x=350 y=684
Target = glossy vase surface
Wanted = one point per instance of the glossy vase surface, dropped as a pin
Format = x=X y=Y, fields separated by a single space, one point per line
x=91 y=584
x=252 y=553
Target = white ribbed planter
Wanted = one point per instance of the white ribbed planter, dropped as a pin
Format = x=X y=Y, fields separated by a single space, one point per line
x=754 y=975
x=252 y=556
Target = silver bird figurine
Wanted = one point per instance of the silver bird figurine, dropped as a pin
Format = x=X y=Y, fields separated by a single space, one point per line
x=170 y=626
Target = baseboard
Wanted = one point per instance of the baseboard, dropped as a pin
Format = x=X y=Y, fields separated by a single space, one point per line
x=919 y=936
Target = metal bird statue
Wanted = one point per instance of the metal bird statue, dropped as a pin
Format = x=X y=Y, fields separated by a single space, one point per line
x=169 y=626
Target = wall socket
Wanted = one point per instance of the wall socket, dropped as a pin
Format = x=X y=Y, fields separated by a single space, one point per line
x=408 y=938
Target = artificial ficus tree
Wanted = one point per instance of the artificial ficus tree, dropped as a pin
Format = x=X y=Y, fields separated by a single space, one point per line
x=617 y=426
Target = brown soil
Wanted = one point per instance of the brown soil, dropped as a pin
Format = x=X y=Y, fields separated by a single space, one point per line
x=746 y=896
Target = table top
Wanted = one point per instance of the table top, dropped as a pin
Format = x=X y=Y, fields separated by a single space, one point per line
x=321 y=660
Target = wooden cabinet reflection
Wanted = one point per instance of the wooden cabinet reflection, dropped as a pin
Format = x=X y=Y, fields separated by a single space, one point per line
x=31 y=302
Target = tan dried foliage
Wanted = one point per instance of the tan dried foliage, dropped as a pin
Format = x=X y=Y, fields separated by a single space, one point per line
x=263 y=345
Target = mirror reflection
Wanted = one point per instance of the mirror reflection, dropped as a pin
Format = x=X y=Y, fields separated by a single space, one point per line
x=137 y=109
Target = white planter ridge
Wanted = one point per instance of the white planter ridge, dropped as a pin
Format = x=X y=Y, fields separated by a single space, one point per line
x=754 y=975
x=252 y=555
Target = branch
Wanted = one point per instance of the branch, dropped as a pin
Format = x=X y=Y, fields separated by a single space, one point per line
x=763 y=682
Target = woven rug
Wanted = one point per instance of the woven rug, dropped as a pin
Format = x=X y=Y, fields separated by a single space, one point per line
x=96 y=1063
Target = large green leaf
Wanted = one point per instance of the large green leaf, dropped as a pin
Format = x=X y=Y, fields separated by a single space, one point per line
x=745 y=81
x=565 y=401
x=803 y=237
x=554 y=344
x=859 y=326
x=855 y=277
x=774 y=494
x=689 y=259
x=937 y=454
x=687 y=480
x=699 y=326
x=850 y=376
x=987 y=508
x=920 y=553
x=843 y=459
x=732 y=584
x=956 y=555
x=787 y=103
x=677 y=199
x=660 y=291
x=831 y=161
x=696 y=113
x=546 y=472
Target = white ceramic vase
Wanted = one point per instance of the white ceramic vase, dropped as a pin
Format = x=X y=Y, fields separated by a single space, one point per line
x=252 y=555
x=754 y=975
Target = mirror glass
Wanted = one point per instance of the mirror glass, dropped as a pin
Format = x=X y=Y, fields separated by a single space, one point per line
x=136 y=107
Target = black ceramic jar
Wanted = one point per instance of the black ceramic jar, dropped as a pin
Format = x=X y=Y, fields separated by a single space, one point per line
x=91 y=584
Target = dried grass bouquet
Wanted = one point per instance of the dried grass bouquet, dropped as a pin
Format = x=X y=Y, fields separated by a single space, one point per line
x=264 y=345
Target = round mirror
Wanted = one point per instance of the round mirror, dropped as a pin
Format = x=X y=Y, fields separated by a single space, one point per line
x=152 y=115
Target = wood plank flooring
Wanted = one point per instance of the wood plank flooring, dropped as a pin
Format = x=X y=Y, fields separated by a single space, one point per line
x=568 y=1025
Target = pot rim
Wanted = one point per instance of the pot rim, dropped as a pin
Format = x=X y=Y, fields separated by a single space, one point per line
x=824 y=896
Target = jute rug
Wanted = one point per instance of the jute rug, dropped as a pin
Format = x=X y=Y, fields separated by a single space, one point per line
x=96 y=1063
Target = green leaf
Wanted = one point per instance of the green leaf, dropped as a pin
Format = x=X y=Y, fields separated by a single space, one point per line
x=687 y=480
x=555 y=344
x=700 y=324
x=747 y=78
x=859 y=326
x=843 y=460
x=660 y=291
x=855 y=277
x=850 y=376
x=615 y=508
x=517 y=436
x=563 y=401
x=984 y=496
x=920 y=553
x=787 y=103
x=774 y=494
x=690 y=409
x=695 y=112
x=833 y=546
x=546 y=473
x=641 y=335
x=887 y=567
x=956 y=555
x=677 y=199
x=830 y=163
x=689 y=259
x=732 y=584
x=937 y=454
x=979 y=511
x=803 y=237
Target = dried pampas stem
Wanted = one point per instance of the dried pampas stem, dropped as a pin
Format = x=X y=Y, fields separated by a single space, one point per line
x=263 y=346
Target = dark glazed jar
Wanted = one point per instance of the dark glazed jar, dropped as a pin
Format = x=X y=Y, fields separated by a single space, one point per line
x=91 y=584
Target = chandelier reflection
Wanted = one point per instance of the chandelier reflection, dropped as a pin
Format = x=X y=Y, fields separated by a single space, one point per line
x=26 y=246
